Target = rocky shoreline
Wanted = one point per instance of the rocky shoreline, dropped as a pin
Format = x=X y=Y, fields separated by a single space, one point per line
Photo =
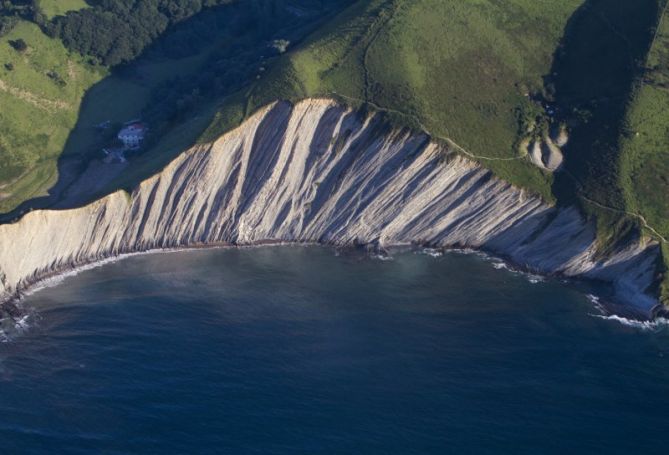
x=316 y=172
x=11 y=307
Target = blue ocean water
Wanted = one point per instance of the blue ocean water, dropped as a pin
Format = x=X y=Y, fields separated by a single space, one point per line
x=283 y=350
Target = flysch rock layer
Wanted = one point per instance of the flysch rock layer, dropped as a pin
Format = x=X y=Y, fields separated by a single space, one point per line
x=318 y=172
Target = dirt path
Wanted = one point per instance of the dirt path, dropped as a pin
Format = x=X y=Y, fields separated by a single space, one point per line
x=624 y=212
x=35 y=100
x=638 y=216
x=392 y=8
x=71 y=70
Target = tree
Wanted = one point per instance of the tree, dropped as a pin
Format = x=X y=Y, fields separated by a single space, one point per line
x=117 y=31
x=18 y=45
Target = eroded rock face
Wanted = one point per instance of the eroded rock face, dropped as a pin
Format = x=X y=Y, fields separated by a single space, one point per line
x=545 y=154
x=316 y=172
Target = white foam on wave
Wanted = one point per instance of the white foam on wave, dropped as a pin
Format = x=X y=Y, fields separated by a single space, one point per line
x=469 y=251
x=58 y=278
x=655 y=324
x=11 y=328
x=432 y=252
x=596 y=302
x=500 y=266
x=381 y=257
x=534 y=279
x=55 y=280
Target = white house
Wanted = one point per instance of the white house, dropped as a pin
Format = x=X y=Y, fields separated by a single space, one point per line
x=132 y=135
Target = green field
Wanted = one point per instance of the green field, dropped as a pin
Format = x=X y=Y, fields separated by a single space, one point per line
x=41 y=90
x=52 y=8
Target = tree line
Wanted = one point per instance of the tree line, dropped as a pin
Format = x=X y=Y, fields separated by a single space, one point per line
x=114 y=32
x=12 y=10
x=110 y=32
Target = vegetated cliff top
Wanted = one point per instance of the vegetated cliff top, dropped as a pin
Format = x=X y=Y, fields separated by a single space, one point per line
x=471 y=72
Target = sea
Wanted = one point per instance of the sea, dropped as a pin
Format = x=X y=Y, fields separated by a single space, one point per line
x=313 y=350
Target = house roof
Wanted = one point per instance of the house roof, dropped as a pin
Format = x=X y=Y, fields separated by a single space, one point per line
x=134 y=129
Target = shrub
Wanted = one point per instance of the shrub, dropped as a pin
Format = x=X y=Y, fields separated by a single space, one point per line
x=54 y=76
x=18 y=45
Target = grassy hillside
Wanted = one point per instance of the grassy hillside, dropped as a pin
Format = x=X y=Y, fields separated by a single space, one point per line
x=644 y=162
x=460 y=70
x=645 y=147
x=52 y=8
x=52 y=97
x=593 y=78
x=41 y=89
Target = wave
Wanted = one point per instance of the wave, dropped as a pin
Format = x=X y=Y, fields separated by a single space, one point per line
x=432 y=252
x=58 y=278
x=596 y=302
x=469 y=251
x=654 y=325
x=10 y=328
x=381 y=257
x=499 y=264
x=55 y=280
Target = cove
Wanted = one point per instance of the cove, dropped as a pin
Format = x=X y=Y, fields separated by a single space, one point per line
x=307 y=350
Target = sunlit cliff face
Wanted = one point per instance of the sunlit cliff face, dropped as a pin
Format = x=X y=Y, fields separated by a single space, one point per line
x=317 y=172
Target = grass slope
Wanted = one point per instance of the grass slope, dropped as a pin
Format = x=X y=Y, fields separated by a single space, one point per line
x=40 y=92
x=457 y=69
x=645 y=145
x=52 y=8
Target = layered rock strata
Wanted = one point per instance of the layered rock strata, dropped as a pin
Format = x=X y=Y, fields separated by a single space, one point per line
x=318 y=172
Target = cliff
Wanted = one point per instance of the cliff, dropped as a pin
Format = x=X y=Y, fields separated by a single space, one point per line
x=317 y=172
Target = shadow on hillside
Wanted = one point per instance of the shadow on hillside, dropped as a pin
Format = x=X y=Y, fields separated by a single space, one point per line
x=175 y=88
x=593 y=78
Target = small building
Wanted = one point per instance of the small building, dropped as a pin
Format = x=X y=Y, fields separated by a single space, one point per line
x=132 y=135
